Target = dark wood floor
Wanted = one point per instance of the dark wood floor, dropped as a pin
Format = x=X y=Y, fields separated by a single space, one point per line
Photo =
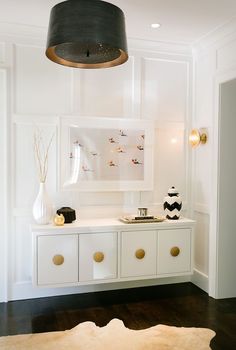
x=181 y=304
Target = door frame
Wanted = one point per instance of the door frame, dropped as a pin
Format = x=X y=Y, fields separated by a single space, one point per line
x=4 y=186
x=214 y=217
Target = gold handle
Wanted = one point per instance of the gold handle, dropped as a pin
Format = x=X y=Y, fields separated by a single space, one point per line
x=140 y=253
x=58 y=259
x=98 y=257
x=175 y=251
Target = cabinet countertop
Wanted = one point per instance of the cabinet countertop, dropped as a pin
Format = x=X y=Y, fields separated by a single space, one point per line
x=95 y=225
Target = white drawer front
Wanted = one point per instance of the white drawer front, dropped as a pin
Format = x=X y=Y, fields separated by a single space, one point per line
x=97 y=256
x=174 y=251
x=57 y=259
x=138 y=253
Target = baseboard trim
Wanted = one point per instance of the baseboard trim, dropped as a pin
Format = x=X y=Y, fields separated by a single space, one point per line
x=200 y=279
x=25 y=290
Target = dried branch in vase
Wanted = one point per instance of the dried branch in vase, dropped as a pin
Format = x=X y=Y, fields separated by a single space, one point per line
x=41 y=151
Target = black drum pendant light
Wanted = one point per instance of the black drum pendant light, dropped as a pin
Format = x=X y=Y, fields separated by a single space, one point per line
x=87 y=34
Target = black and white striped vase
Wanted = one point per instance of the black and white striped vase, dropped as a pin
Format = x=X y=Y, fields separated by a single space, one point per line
x=172 y=204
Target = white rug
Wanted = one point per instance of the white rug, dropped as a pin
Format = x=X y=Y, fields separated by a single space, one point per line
x=115 y=336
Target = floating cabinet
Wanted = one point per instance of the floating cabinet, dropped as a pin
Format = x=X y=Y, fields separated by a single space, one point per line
x=138 y=253
x=106 y=251
x=173 y=251
x=57 y=259
x=97 y=256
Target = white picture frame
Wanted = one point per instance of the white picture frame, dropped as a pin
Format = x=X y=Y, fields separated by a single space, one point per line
x=106 y=154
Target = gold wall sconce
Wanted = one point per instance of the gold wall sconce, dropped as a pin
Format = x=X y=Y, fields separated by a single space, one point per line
x=197 y=137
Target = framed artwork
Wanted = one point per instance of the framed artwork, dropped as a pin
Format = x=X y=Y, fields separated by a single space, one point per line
x=106 y=154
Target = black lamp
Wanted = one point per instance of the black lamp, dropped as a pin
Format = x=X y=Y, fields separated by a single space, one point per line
x=87 y=34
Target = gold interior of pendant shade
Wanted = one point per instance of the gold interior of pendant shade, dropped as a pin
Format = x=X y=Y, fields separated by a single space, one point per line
x=50 y=53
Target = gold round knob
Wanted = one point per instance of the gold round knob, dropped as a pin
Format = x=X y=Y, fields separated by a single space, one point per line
x=58 y=259
x=140 y=253
x=98 y=257
x=175 y=251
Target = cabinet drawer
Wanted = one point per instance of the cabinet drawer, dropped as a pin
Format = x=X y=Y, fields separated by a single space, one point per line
x=97 y=256
x=138 y=253
x=174 y=251
x=57 y=259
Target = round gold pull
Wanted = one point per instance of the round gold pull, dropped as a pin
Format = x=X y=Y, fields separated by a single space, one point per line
x=98 y=257
x=140 y=253
x=175 y=251
x=58 y=259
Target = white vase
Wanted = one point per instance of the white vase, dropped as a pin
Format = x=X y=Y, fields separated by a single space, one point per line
x=42 y=208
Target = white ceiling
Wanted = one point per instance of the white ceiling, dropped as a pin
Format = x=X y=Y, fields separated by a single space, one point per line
x=182 y=21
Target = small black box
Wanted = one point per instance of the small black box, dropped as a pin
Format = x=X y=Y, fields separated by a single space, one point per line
x=68 y=213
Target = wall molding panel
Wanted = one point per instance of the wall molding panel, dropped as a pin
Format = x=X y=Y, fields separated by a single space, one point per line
x=165 y=48
x=214 y=39
x=4 y=185
x=226 y=54
x=214 y=62
x=200 y=279
x=40 y=92
x=202 y=208
x=2 y=53
x=25 y=290
x=19 y=32
x=41 y=87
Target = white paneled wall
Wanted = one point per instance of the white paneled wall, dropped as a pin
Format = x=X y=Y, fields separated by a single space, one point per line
x=2 y=52
x=21 y=254
x=171 y=161
x=25 y=184
x=105 y=92
x=164 y=89
x=201 y=243
x=41 y=87
x=202 y=169
x=154 y=84
x=214 y=62
x=4 y=184
x=226 y=54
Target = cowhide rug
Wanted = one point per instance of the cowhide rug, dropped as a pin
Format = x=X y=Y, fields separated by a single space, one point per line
x=113 y=336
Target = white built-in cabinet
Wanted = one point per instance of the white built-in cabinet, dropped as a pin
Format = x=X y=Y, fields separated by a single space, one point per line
x=138 y=253
x=174 y=251
x=56 y=257
x=98 y=251
x=97 y=256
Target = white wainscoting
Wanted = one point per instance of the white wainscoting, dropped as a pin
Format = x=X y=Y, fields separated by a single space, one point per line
x=105 y=92
x=226 y=54
x=215 y=61
x=201 y=243
x=165 y=88
x=25 y=290
x=4 y=186
x=155 y=84
x=41 y=87
x=2 y=53
x=200 y=279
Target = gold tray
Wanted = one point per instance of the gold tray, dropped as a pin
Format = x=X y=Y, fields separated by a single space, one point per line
x=131 y=220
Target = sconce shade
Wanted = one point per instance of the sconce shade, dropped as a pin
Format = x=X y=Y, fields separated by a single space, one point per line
x=195 y=138
x=87 y=34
